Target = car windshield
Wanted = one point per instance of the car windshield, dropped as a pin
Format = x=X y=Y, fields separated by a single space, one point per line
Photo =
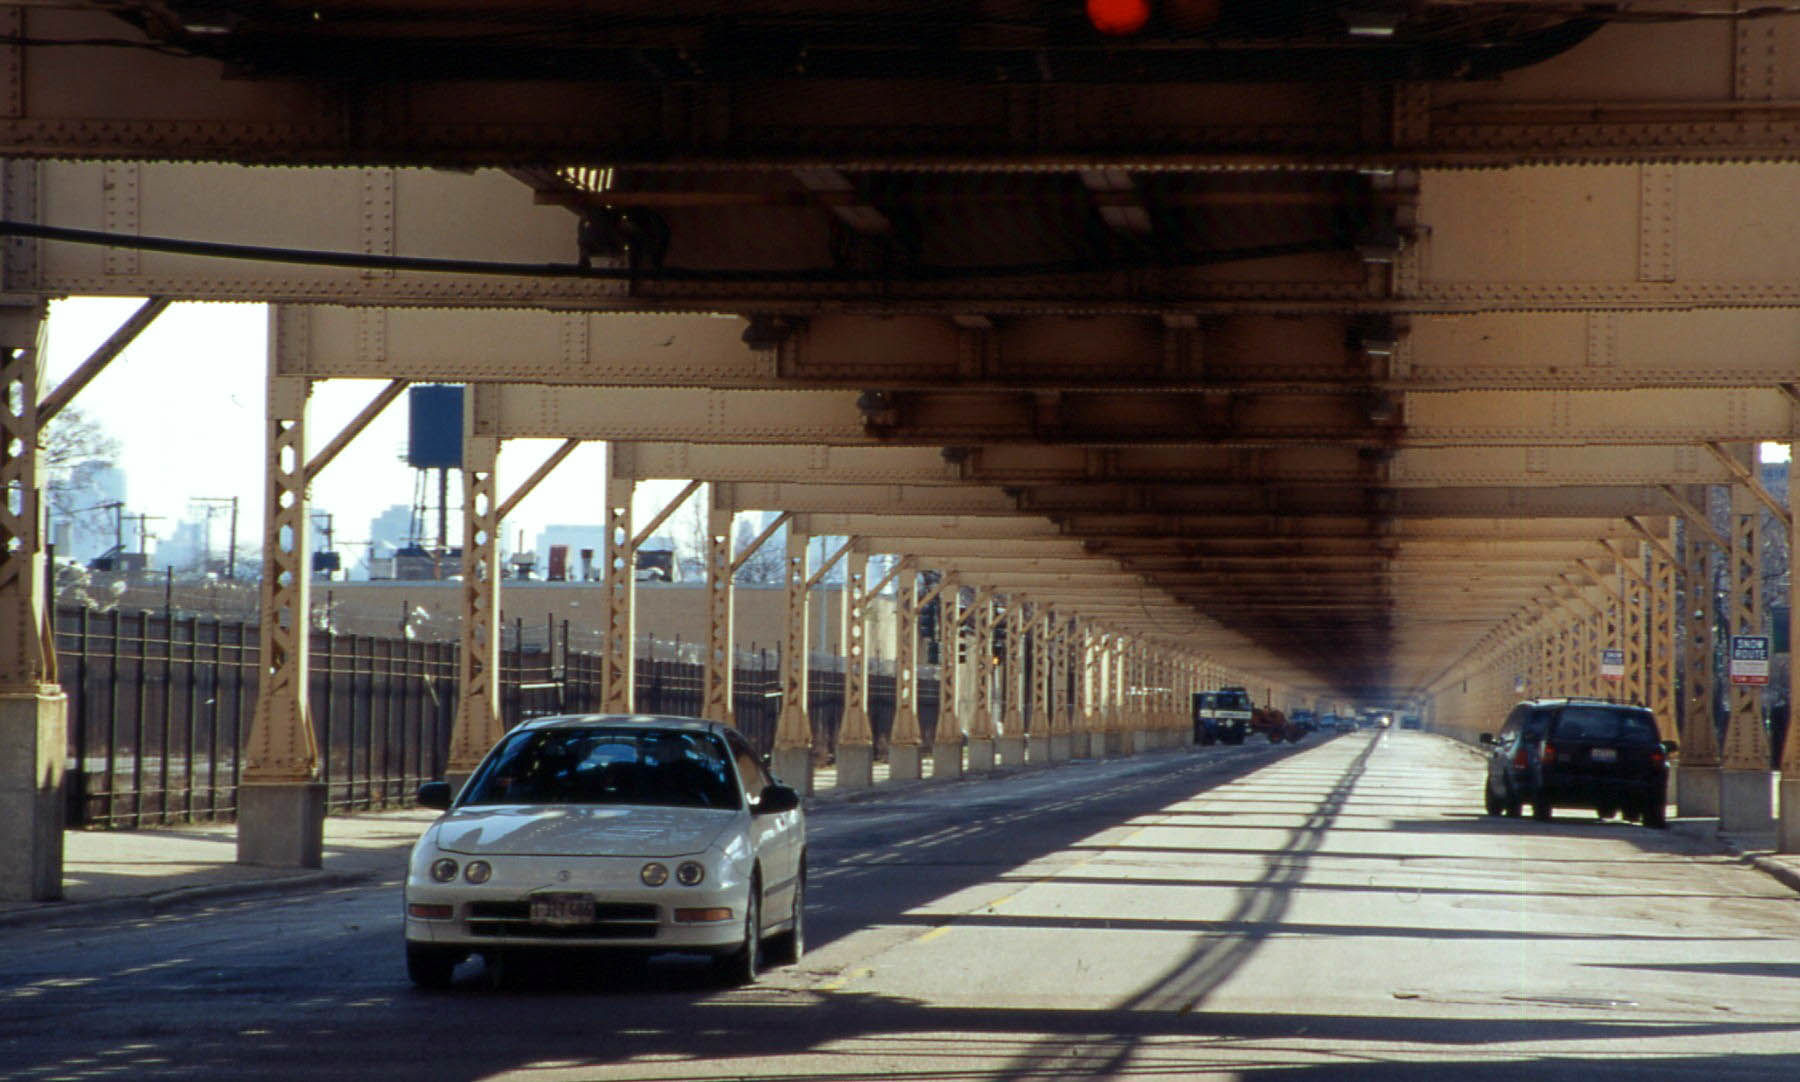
x=1601 y=724
x=603 y=765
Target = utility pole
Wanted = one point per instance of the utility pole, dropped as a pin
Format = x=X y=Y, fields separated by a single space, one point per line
x=143 y=521
x=211 y=503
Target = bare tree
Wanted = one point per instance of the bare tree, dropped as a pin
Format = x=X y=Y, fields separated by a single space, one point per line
x=73 y=447
x=768 y=564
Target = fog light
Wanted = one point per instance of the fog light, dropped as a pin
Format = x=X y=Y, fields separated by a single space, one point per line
x=443 y=870
x=690 y=873
x=427 y=911
x=713 y=915
x=654 y=875
x=479 y=871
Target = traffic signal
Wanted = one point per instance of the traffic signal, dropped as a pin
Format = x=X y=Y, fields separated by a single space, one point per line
x=1118 y=17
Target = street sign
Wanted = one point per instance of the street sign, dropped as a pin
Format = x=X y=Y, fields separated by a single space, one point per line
x=1750 y=659
x=1612 y=664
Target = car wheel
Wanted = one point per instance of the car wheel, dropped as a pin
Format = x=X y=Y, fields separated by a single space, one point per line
x=1541 y=810
x=1656 y=811
x=1605 y=811
x=1494 y=804
x=431 y=967
x=740 y=966
x=786 y=948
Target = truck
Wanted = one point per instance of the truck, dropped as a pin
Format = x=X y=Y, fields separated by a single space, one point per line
x=1222 y=716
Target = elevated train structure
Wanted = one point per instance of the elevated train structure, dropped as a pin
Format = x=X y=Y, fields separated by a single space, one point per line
x=1348 y=352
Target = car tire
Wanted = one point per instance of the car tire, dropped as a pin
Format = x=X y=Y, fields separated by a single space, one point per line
x=740 y=967
x=1542 y=810
x=431 y=967
x=1493 y=803
x=1605 y=811
x=1656 y=812
x=787 y=948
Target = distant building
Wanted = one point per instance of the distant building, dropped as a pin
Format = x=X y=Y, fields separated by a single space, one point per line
x=560 y=551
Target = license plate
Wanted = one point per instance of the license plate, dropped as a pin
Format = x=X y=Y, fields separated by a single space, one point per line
x=562 y=909
x=1604 y=755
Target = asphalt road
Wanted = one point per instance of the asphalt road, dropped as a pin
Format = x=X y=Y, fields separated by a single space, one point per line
x=1336 y=911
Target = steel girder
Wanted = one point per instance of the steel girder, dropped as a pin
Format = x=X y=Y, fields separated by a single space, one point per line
x=1672 y=91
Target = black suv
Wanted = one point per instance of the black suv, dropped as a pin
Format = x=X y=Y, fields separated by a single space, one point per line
x=1584 y=753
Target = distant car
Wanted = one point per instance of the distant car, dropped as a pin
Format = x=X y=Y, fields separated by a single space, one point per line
x=1304 y=720
x=613 y=833
x=1584 y=753
x=1222 y=716
x=1411 y=721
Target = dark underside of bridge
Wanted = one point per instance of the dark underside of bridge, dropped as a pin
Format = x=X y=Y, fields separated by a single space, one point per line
x=894 y=209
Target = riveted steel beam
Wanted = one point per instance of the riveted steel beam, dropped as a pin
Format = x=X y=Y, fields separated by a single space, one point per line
x=1566 y=418
x=1442 y=351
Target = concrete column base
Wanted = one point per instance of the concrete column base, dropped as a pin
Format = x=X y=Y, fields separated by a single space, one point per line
x=34 y=744
x=1697 y=792
x=1746 y=801
x=281 y=824
x=1061 y=747
x=906 y=762
x=456 y=780
x=1112 y=745
x=1787 y=826
x=793 y=767
x=855 y=766
x=947 y=760
x=981 y=755
x=1011 y=750
x=1142 y=740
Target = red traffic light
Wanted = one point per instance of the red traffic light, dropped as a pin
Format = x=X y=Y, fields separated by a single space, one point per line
x=1118 y=17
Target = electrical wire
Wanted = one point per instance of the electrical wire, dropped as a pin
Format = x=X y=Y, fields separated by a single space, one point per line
x=430 y=264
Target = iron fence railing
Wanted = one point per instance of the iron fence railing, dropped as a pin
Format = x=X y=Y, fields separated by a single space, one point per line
x=160 y=708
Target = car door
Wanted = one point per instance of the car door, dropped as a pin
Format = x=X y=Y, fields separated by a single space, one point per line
x=776 y=838
x=1500 y=755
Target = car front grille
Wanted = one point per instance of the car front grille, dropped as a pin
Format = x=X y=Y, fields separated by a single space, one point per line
x=612 y=920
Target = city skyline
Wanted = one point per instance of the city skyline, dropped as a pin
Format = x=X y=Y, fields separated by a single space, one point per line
x=186 y=402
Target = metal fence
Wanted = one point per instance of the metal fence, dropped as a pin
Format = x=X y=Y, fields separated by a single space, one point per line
x=160 y=707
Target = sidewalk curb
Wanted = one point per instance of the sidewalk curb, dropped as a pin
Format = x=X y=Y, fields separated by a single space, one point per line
x=149 y=905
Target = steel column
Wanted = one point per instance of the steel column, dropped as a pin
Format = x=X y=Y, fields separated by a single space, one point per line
x=793 y=728
x=1787 y=835
x=981 y=676
x=1746 y=784
x=947 y=747
x=618 y=664
x=281 y=807
x=1010 y=742
x=721 y=656
x=33 y=708
x=478 y=722
x=856 y=740
x=905 y=759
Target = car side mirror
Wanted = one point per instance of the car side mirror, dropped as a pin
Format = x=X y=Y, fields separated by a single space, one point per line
x=434 y=794
x=1487 y=738
x=1671 y=747
x=776 y=799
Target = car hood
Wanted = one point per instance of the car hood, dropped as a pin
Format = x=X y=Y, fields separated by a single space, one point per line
x=561 y=830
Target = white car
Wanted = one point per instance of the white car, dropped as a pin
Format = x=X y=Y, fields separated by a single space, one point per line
x=617 y=833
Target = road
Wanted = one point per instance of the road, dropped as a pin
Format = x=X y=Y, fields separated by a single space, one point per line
x=1339 y=910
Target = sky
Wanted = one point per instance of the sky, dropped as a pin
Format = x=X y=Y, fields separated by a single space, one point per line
x=186 y=403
